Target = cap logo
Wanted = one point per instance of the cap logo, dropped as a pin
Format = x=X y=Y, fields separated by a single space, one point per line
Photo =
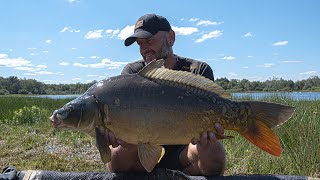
x=138 y=24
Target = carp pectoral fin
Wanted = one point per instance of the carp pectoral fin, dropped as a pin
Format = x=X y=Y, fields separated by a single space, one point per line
x=104 y=150
x=222 y=136
x=150 y=155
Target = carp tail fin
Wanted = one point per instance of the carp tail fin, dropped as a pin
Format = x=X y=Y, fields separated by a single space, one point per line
x=266 y=116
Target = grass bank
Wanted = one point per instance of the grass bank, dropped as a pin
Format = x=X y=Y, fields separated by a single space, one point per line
x=28 y=141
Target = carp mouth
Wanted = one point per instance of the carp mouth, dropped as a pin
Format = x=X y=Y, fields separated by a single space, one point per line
x=56 y=122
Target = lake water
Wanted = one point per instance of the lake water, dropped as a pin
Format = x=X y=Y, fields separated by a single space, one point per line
x=67 y=96
x=256 y=95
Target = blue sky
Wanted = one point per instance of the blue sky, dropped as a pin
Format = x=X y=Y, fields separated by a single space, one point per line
x=70 y=41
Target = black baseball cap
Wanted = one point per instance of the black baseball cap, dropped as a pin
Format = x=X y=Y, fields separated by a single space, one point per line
x=147 y=26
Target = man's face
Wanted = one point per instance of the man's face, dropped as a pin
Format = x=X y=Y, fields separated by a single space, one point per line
x=155 y=47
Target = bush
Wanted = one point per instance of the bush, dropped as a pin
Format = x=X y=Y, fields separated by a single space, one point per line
x=28 y=115
x=4 y=92
x=23 y=91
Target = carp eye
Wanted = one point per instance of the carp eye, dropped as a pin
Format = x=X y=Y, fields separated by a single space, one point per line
x=69 y=108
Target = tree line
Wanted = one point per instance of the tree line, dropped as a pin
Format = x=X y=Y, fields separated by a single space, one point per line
x=276 y=84
x=13 y=85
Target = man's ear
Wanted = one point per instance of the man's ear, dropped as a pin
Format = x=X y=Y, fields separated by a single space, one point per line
x=171 y=37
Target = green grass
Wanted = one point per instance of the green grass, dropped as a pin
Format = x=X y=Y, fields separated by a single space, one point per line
x=300 y=139
x=29 y=144
x=26 y=144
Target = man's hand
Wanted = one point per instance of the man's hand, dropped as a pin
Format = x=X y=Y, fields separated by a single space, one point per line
x=205 y=156
x=112 y=140
x=124 y=156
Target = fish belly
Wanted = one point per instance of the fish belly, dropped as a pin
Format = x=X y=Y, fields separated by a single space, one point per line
x=158 y=126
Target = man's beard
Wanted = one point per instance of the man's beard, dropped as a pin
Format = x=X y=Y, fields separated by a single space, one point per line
x=163 y=53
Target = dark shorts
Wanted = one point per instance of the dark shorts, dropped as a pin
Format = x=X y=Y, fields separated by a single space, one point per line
x=171 y=160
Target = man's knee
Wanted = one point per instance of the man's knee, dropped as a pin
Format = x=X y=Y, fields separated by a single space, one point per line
x=124 y=160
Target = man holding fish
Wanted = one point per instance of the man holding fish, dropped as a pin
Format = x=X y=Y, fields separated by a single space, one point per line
x=204 y=156
x=147 y=116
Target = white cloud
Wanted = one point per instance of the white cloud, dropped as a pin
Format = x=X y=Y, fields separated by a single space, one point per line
x=76 y=79
x=112 y=32
x=232 y=74
x=24 y=68
x=29 y=74
x=94 y=57
x=250 y=56
x=44 y=73
x=96 y=34
x=212 y=34
x=13 y=62
x=32 y=48
x=2 y=56
x=72 y=1
x=41 y=66
x=69 y=29
x=103 y=77
x=245 y=67
x=228 y=58
x=280 y=43
x=48 y=41
x=184 y=30
x=204 y=22
x=104 y=63
x=92 y=75
x=194 y=19
x=66 y=29
x=113 y=67
x=31 y=69
x=248 y=34
x=23 y=65
x=64 y=63
x=287 y=62
x=266 y=65
x=126 y=32
x=207 y=23
x=310 y=73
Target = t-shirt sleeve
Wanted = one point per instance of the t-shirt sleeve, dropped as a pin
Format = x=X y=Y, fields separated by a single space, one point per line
x=132 y=68
x=202 y=69
x=207 y=71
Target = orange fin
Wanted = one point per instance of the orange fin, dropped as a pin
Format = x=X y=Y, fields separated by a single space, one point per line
x=262 y=136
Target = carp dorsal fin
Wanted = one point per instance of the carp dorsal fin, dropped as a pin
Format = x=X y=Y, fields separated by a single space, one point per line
x=156 y=71
x=151 y=67
x=150 y=155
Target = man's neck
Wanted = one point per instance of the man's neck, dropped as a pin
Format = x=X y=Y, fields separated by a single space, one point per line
x=170 y=61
